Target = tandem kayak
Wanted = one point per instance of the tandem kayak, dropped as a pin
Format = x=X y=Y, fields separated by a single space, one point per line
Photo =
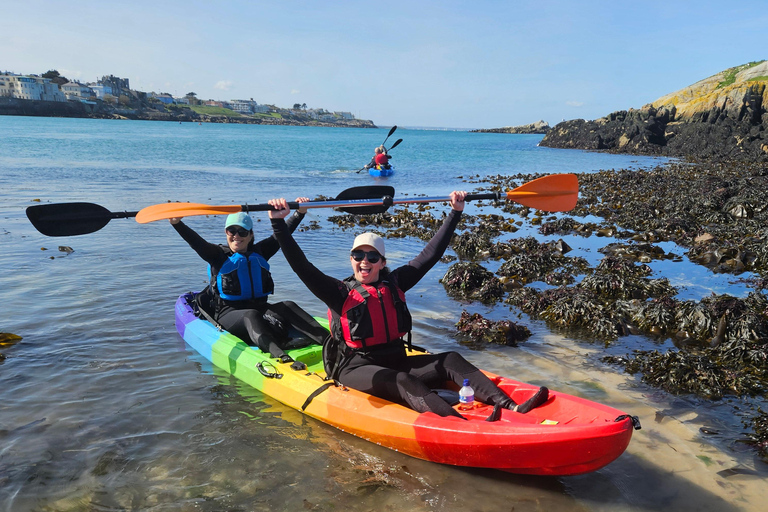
x=381 y=172
x=565 y=436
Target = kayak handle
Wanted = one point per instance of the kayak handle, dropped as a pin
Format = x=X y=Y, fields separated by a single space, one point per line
x=274 y=374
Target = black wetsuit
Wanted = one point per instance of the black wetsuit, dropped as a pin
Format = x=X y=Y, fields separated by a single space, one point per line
x=246 y=318
x=387 y=372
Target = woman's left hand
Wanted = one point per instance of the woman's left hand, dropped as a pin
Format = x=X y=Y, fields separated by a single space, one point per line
x=281 y=210
x=457 y=200
x=302 y=200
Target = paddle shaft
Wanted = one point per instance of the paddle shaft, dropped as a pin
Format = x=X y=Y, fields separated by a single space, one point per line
x=383 y=201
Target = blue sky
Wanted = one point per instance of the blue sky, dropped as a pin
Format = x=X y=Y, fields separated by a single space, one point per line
x=447 y=63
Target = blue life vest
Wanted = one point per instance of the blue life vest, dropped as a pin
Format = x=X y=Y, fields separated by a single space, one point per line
x=243 y=278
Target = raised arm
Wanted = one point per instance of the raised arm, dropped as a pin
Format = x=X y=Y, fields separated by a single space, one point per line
x=326 y=288
x=411 y=273
x=209 y=252
x=269 y=246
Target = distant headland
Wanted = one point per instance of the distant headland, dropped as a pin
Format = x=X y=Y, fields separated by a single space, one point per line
x=539 y=127
x=52 y=95
x=723 y=117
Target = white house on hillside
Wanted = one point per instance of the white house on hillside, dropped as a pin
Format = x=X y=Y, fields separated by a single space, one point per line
x=77 y=91
x=247 y=106
x=100 y=90
x=30 y=87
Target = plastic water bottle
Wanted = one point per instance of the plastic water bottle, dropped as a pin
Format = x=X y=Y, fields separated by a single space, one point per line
x=466 y=397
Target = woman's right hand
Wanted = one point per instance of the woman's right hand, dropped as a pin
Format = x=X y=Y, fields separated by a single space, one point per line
x=174 y=220
x=281 y=211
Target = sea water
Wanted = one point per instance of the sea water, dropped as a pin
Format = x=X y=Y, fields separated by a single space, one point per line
x=104 y=407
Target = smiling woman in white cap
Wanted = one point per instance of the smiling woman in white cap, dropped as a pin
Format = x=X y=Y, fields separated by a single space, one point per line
x=370 y=323
x=240 y=283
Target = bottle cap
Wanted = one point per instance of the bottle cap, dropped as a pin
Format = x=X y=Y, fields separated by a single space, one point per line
x=466 y=382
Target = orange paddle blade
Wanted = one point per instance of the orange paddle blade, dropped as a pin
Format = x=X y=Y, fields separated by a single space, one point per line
x=553 y=193
x=171 y=210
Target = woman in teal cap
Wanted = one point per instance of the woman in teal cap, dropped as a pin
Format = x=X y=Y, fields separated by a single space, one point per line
x=240 y=282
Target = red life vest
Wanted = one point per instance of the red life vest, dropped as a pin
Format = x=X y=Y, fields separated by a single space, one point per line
x=371 y=315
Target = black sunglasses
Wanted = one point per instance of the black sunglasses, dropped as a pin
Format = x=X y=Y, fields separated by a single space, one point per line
x=232 y=230
x=372 y=256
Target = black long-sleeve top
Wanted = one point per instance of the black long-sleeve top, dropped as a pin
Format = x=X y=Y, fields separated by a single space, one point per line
x=333 y=292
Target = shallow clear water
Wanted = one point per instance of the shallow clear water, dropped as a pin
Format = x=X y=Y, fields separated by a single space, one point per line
x=105 y=408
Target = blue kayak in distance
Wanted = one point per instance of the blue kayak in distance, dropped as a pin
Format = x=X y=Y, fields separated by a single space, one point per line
x=381 y=173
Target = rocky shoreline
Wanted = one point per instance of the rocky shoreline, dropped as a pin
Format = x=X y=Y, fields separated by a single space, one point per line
x=537 y=128
x=723 y=117
x=720 y=342
x=18 y=107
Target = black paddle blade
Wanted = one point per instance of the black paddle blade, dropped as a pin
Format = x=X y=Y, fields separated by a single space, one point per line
x=68 y=219
x=366 y=192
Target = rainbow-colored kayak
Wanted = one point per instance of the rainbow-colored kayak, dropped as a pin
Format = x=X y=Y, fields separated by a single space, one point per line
x=566 y=436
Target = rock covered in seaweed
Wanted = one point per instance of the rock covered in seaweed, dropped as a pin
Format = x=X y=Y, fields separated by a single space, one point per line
x=478 y=329
x=469 y=281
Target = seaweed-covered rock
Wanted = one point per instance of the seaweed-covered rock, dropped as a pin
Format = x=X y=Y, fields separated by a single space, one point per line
x=701 y=373
x=477 y=329
x=529 y=261
x=470 y=281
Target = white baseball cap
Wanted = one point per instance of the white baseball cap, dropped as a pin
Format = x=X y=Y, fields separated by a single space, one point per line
x=371 y=239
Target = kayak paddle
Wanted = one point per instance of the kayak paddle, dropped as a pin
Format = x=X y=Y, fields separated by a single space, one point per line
x=70 y=219
x=359 y=200
x=553 y=193
x=391 y=131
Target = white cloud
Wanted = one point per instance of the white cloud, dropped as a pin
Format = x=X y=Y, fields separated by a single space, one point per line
x=295 y=91
x=223 y=85
x=575 y=103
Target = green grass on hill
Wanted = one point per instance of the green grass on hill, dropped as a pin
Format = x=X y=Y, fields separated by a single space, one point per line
x=730 y=74
x=214 y=111
x=271 y=114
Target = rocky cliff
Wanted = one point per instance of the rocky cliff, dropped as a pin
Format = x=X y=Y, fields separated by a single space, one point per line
x=724 y=116
x=539 y=127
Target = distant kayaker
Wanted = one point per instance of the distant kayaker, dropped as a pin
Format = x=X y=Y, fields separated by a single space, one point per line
x=240 y=283
x=370 y=322
x=380 y=158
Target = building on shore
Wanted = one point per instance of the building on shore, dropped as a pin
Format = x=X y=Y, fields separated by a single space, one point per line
x=118 y=85
x=100 y=90
x=247 y=107
x=29 y=87
x=78 y=92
